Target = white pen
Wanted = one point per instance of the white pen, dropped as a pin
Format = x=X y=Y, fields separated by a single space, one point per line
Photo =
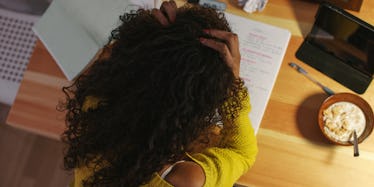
x=302 y=71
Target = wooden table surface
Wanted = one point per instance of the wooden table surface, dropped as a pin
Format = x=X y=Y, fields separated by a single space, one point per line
x=292 y=151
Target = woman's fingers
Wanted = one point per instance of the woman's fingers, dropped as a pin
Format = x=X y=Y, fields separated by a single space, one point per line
x=230 y=38
x=229 y=48
x=167 y=12
x=170 y=8
x=173 y=3
x=218 y=46
x=160 y=17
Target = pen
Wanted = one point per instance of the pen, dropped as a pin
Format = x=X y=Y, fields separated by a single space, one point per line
x=302 y=71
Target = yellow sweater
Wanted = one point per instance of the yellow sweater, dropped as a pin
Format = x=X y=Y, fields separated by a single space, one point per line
x=222 y=165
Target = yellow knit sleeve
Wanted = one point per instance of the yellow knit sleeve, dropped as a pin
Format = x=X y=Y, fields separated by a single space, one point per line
x=224 y=165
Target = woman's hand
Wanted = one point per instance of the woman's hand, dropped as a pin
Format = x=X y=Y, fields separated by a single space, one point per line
x=167 y=12
x=229 y=48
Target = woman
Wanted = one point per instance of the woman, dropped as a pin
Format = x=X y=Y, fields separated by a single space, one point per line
x=162 y=106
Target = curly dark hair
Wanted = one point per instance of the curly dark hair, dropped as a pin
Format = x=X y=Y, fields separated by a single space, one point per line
x=156 y=91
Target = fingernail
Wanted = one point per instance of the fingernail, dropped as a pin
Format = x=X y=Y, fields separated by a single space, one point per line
x=202 y=39
x=206 y=31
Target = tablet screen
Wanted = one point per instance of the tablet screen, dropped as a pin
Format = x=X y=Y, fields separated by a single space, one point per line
x=345 y=38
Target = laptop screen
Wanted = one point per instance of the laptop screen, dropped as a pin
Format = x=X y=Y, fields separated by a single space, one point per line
x=346 y=38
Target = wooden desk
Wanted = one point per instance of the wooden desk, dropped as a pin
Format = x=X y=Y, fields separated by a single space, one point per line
x=292 y=151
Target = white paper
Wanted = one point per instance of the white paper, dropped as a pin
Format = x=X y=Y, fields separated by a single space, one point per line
x=262 y=48
x=74 y=30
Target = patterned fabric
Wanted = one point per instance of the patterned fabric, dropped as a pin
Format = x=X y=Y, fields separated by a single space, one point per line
x=17 y=41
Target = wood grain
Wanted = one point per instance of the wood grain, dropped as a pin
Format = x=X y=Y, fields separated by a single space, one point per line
x=286 y=160
x=292 y=151
x=28 y=160
x=39 y=94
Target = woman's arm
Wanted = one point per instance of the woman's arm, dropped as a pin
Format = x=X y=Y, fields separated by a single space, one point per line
x=220 y=166
x=224 y=165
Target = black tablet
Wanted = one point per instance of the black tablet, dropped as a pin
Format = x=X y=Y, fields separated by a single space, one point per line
x=341 y=46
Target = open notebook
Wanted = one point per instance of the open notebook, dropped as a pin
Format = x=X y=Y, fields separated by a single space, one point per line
x=74 y=30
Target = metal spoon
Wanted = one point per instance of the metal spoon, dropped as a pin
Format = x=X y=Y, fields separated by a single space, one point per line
x=355 y=144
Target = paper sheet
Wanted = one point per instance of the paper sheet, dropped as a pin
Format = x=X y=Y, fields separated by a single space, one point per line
x=74 y=30
x=262 y=49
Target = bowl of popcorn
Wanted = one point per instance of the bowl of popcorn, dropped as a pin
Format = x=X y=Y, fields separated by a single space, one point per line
x=343 y=113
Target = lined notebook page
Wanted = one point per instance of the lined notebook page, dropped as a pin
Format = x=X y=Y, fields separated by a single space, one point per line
x=262 y=48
